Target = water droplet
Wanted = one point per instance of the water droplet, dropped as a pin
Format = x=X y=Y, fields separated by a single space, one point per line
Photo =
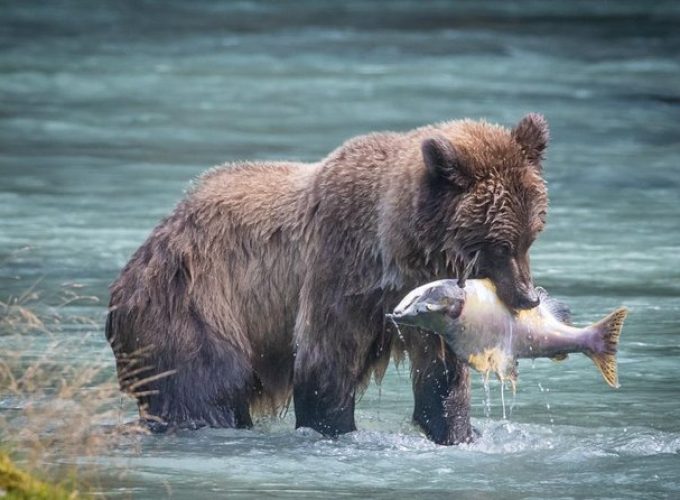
x=487 y=396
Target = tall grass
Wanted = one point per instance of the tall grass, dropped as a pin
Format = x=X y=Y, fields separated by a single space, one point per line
x=57 y=410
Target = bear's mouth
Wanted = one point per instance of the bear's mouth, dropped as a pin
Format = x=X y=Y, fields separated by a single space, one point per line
x=467 y=268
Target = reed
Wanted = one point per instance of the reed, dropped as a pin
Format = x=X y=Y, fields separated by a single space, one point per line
x=57 y=413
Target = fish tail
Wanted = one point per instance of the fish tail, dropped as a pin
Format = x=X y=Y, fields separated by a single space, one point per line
x=610 y=330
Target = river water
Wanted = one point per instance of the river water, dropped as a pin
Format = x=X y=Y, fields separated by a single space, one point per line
x=110 y=109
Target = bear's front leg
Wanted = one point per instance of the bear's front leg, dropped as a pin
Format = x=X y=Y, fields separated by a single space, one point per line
x=332 y=339
x=321 y=405
x=441 y=390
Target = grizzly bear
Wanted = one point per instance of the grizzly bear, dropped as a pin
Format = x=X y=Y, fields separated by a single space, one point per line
x=271 y=280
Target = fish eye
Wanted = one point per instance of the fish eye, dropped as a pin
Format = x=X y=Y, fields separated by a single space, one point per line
x=434 y=307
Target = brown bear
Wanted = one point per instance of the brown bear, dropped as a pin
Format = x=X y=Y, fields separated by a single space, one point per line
x=271 y=280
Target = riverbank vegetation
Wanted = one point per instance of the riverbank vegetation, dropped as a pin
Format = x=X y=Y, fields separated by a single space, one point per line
x=57 y=412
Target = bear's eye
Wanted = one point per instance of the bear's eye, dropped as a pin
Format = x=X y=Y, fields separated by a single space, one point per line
x=502 y=250
x=540 y=222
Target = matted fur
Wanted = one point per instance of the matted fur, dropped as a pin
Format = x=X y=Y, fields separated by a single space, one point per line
x=274 y=275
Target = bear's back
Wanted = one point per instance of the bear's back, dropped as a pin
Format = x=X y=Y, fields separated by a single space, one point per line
x=263 y=195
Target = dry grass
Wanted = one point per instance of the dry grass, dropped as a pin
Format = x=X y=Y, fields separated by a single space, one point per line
x=16 y=315
x=19 y=314
x=57 y=412
x=61 y=413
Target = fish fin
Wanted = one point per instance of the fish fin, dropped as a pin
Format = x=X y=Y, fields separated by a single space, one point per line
x=610 y=328
x=560 y=357
x=558 y=309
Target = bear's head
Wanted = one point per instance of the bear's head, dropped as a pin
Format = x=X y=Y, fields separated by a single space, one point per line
x=492 y=201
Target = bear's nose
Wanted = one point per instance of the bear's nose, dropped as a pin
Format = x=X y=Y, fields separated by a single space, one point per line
x=528 y=301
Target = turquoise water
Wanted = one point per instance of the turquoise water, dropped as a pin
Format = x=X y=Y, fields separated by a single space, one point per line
x=109 y=110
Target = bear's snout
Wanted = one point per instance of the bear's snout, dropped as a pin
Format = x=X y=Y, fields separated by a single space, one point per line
x=528 y=301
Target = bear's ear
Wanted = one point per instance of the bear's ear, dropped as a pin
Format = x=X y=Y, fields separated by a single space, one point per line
x=443 y=162
x=532 y=134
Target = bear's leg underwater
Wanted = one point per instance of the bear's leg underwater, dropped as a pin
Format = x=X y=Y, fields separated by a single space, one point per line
x=321 y=407
x=441 y=392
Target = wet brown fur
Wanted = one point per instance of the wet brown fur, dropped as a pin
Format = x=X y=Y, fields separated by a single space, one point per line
x=272 y=275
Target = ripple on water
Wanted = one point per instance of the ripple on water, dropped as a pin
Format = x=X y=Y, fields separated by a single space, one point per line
x=645 y=442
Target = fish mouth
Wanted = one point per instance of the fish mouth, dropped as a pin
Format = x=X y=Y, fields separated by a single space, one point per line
x=399 y=318
x=403 y=311
x=402 y=320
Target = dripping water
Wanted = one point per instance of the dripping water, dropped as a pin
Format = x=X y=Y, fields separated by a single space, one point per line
x=396 y=325
x=514 y=399
x=442 y=357
x=487 y=395
x=545 y=392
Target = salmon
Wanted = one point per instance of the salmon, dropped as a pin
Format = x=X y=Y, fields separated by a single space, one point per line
x=480 y=329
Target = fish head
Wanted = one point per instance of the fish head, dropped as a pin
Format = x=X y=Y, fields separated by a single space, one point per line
x=435 y=306
x=472 y=320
